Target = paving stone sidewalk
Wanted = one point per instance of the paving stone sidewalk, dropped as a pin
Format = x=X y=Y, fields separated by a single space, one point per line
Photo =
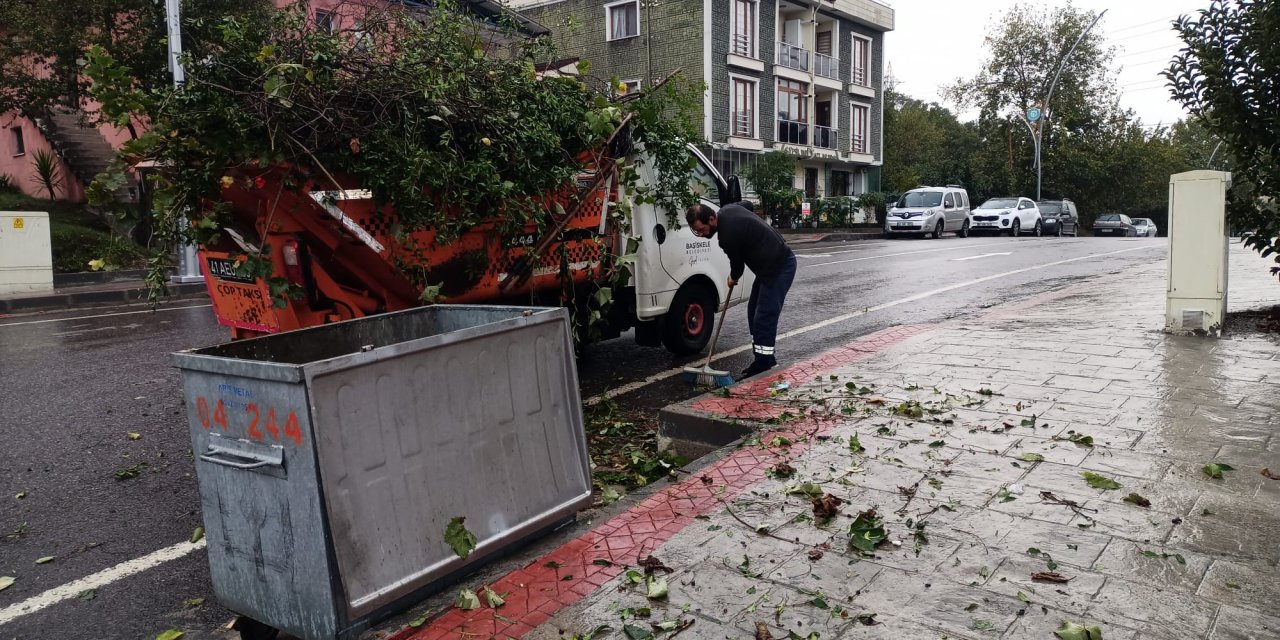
x=958 y=454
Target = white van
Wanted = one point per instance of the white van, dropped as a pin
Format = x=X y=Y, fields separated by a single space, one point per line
x=930 y=211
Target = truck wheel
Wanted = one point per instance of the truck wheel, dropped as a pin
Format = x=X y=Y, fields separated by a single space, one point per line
x=689 y=322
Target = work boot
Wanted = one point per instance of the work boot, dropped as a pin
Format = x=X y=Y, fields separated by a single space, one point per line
x=760 y=365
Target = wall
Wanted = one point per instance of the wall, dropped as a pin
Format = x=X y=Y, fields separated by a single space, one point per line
x=21 y=167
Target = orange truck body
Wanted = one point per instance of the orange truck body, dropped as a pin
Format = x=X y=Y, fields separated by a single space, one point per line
x=345 y=254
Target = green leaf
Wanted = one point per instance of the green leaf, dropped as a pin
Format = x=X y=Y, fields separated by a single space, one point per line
x=44 y=560
x=1023 y=597
x=1134 y=498
x=637 y=633
x=197 y=535
x=820 y=603
x=492 y=598
x=1214 y=469
x=854 y=445
x=193 y=602
x=1098 y=481
x=1073 y=631
x=656 y=587
x=780 y=441
x=807 y=488
x=668 y=625
x=171 y=634
x=937 y=443
x=419 y=621
x=467 y=600
x=973 y=606
x=87 y=594
x=1031 y=457
x=634 y=577
x=462 y=542
x=6 y=582
x=610 y=495
x=1179 y=558
x=867 y=531
x=984 y=572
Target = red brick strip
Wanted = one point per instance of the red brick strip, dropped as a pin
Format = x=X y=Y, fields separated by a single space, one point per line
x=570 y=573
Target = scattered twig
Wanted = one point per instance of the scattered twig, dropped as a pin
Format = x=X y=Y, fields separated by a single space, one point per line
x=1048 y=496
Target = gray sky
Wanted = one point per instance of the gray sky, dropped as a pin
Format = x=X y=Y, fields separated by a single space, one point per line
x=1139 y=29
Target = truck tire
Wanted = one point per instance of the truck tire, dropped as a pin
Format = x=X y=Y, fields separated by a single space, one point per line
x=688 y=324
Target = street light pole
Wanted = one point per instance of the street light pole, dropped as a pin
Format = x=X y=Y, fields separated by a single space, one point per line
x=188 y=263
x=1039 y=133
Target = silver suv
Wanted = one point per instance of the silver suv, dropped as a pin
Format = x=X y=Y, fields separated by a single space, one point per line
x=930 y=211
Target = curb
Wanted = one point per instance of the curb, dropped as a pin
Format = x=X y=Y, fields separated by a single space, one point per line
x=98 y=297
x=836 y=237
x=61 y=280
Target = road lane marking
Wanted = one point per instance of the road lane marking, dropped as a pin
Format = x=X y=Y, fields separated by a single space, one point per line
x=96 y=581
x=905 y=253
x=985 y=255
x=103 y=315
x=670 y=373
x=813 y=255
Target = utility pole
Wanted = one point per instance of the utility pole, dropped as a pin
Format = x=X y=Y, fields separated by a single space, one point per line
x=1044 y=106
x=188 y=263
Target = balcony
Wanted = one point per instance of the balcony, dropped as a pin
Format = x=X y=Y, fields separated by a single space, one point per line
x=740 y=45
x=826 y=66
x=793 y=57
x=825 y=137
x=793 y=132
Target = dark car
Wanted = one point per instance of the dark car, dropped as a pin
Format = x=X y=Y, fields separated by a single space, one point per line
x=1114 y=224
x=1060 y=216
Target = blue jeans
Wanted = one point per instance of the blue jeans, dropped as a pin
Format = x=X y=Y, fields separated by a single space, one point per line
x=768 y=292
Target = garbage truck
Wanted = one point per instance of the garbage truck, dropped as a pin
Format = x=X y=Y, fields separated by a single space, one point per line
x=335 y=254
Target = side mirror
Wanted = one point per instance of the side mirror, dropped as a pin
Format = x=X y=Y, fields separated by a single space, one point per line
x=733 y=192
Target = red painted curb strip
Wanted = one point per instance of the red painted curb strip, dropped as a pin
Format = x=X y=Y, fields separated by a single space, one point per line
x=570 y=573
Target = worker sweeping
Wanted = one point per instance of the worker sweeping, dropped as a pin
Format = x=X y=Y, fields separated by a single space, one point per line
x=749 y=241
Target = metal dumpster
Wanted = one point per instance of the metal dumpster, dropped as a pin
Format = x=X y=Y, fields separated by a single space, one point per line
x=331 y=459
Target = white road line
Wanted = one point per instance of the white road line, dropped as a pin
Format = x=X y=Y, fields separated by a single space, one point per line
x=97 y=580
x=813 y=255
x=669 y=373
x=103 y=315
x=905 y=253
x=985 y=255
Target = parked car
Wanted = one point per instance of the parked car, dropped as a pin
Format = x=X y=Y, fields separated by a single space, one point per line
x=930 y=211
x=1012 y=215
x=1060 y=216
x=1146 y=227
x=1114 y=224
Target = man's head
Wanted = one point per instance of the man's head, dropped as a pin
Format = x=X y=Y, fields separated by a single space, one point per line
x=702 y=220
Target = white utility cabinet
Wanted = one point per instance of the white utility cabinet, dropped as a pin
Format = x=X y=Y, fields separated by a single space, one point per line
x=1197 y=294
x=26 y=256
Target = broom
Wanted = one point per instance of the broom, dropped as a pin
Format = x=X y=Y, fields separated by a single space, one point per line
x=705 y=376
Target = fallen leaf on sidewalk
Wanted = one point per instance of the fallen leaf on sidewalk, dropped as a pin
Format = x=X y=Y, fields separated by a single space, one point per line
x=609 y=496
x=782 y=470
x=197 y=535
x=780 y=441
x=826 y=507
x=1073 y=631
x=493 y=599
x=171 y=634
x=1050 y=576
x=456 y=535
x=129 y=473
x=656 y=587
x=854 y=445
x=636 y=633
x=1031 y=457
x=867 y=531
x=44 y=560
x=467 y=600
x=806 y=488
x=193 y=602
x=1214 y=469
x=1099 y=481
x=1134 y=498
x=815 y=555
x=651 y=564
x=1266 y=473
x=418 y=621
x=762 y=631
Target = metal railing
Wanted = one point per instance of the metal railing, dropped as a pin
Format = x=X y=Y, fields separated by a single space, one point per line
x=859 y=144
x=860 y=76
x=793 y=131
x=743 y=124
x=792 y=56
x=740 y=44
x=826 y=66
x=825 y=137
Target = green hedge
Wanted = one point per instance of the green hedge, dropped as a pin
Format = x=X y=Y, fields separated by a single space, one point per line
x=74 y=246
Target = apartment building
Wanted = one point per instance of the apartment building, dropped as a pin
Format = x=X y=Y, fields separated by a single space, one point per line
x=804 y=76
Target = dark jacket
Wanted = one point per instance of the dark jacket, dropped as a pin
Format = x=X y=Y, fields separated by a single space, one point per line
x=749 y=240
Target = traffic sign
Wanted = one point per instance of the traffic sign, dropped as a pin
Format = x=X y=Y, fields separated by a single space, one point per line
x=1033 y=114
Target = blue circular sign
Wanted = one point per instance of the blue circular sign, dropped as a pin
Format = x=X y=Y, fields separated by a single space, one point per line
x=1033 y=114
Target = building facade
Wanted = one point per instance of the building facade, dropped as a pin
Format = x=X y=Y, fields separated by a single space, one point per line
x=803 y=76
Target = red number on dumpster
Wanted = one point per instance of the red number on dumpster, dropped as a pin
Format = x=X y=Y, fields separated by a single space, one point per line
x=220 y=416
x=291 y=430
x=202 y=411
x=253 y=423
x=271 y=425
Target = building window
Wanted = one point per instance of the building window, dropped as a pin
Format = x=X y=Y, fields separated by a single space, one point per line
x=793 y=112
x=744 y=28
x=861 y=61
x=324 y=21
x=623 y=19
x=861 y=124
x=626 y=88
x=743 y=108
x=19 y=145
x=839 y=183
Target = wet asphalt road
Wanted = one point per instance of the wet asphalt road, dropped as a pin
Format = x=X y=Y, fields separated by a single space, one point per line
x=73 y=387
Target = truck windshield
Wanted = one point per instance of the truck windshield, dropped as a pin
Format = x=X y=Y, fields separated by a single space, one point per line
x=920 y=199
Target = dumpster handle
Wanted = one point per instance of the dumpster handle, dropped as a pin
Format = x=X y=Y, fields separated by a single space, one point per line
x=212 y=455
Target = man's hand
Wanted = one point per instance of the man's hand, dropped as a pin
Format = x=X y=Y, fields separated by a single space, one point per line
x=732 y=282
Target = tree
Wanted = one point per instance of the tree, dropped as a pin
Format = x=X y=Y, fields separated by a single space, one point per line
x=772 y=177
x=1226 y=76
x=924 y=144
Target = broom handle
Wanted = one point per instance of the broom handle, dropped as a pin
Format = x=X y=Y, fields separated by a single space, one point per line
x=716 y=336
